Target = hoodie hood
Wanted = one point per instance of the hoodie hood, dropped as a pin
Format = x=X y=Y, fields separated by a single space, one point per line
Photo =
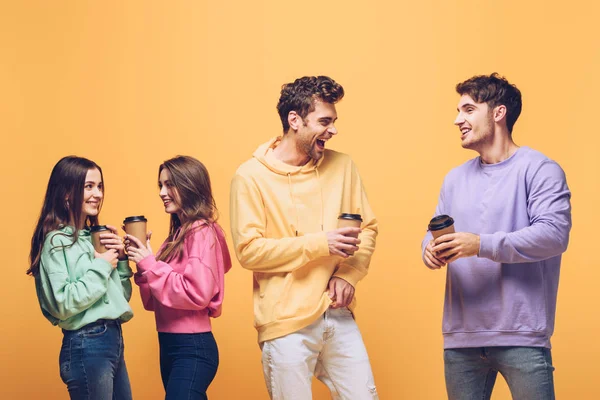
x=264 y=154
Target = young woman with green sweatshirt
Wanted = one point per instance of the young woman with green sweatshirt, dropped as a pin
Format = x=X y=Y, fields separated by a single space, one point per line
x=80 y=290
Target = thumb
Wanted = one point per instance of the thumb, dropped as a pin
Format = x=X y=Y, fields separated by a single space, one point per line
x=148 y=237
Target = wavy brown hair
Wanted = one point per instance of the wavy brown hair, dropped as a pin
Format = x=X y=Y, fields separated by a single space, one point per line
x=67 y=181
x=191 y=181
x=300 y=96
x=494 y=90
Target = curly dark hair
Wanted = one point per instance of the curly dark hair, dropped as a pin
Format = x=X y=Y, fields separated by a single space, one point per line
x=300 y=96
x=494 y=90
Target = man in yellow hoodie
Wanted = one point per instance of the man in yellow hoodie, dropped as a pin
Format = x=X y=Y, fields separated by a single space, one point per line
x=285 y=203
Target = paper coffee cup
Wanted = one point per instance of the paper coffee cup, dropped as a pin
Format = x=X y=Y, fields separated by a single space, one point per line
x=441 y=225
x=352 y=220
x=96 y=231
x=136 y=226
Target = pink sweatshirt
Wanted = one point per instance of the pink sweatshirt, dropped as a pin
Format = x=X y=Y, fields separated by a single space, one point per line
x=187 y=291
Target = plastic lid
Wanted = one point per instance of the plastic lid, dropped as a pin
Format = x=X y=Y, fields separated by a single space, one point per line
x=137 y=218
x=98 y=228
x=356 y=217
x=440 y=222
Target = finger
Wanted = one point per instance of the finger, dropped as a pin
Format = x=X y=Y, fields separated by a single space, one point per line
x=445 y=238
x=113 y=229
x=443 y=246
x=432 y=263
x=444 y=255
x=135 y=240
x=348 y=239
x=349 y=230
x=453 y=258
x=148 y=236
x=331 y=289
x=340 y=253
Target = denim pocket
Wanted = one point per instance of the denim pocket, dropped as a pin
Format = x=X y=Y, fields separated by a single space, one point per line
x=95 y=330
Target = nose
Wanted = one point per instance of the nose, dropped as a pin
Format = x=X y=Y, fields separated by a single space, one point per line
x=459 y=119
x=97 y=192
x=163 y=191
x=333 y=130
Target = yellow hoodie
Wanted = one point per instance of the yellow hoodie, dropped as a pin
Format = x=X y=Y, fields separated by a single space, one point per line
x=279 y=218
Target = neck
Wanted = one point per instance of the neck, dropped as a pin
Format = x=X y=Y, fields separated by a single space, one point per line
x=287 y=151
x=500 y=148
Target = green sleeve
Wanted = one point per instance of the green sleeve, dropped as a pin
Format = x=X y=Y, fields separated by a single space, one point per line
x=125 y=274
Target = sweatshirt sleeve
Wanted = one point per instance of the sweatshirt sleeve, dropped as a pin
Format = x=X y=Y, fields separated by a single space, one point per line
x=260 y=254
x=549 y=210
x=355 y=268
x=142 y=282
x=69 y=296
x=196 y=286
x=125 y=274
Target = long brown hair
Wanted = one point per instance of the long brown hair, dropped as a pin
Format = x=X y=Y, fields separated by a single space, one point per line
x=191 y=181
x=62 y=204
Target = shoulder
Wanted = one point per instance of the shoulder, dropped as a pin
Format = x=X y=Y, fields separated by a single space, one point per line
x=460 y=171
x=332 y=156
x=202 y=234
x=537 y=164
x=248 y=168
x=58 y=238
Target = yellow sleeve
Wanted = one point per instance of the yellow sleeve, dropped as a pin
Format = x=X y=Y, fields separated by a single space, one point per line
x=258 y=253
x=353 y=269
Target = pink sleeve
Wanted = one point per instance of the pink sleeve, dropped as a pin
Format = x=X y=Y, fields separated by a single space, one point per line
x=147 y=299
x=195 y=287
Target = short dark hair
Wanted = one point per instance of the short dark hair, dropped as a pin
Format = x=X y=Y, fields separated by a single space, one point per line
x=300 y=96
x=494 y=90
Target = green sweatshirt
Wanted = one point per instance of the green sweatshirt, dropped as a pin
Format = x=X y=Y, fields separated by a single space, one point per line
x=74 y=288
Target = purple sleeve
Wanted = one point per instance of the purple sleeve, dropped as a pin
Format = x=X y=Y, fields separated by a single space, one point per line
x=549 y=210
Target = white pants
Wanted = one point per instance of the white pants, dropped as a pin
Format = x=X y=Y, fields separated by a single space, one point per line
x=331 y=349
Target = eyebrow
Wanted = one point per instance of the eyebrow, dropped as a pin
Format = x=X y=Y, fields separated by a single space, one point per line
x=86 y=182
x=327 y=119
x=466 y=105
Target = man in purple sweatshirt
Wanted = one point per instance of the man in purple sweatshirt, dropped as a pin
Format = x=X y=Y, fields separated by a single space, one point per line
x=512 y=213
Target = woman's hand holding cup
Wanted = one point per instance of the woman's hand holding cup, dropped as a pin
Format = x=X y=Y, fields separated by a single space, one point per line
x=136 y=250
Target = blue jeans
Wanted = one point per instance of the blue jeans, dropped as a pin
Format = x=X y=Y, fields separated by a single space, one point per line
x=471 y=372
x=92 y=364
x=188 y=364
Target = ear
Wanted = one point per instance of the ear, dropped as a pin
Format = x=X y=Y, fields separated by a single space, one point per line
x=499 y=113
x=294 y=120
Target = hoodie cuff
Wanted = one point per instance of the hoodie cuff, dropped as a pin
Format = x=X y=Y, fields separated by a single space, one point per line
x=317 y=245
x=146 y=263
x=486 y=246
x=349 y=274
x=123 y=269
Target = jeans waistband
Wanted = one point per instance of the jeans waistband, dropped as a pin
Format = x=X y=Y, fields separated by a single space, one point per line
x=115 y=322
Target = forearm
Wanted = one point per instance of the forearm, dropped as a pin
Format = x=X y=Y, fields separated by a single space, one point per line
x=281 y=255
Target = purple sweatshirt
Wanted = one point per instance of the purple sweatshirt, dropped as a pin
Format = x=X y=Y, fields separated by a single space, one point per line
x=520 y=207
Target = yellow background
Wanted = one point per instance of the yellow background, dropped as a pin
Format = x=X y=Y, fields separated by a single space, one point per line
x=132 y=83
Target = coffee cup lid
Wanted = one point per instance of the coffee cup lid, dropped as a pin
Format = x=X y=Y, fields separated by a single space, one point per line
x=356 y=217
x=440 y=222
x=98 y=228
x=137 y=218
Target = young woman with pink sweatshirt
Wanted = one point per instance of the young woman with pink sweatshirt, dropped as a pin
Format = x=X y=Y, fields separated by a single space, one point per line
x=183 y=283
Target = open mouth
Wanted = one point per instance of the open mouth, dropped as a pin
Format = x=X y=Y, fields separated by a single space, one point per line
x=465 y=131
x=321 y=143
